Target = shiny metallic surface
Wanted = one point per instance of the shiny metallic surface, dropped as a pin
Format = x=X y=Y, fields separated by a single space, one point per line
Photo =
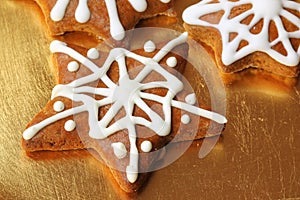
x=258 y=155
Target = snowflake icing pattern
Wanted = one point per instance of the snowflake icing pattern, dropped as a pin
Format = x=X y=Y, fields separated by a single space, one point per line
x=266 y=10
x=127 y=93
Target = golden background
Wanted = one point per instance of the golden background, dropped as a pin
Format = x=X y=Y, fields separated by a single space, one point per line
x=258 y=156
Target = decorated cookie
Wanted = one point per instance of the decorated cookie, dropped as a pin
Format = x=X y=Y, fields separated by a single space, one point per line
x=102 y=18
x=249 y=33
x=126 y=105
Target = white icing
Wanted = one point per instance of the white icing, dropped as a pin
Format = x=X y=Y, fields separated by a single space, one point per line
x=149 y=46
x=119 y=150
x=132 y=173
x=172 y=62
x=117 y=30
x=191 y=99
x=93 y=53
x=83 y=14
x=165 y=1
x=124 y=95
x=70 y=125
x=138 y=5
x=268 y=10
x=58 y=11
x=73 y=66
x=146 y=146
x=58 y=106
x=185 y=119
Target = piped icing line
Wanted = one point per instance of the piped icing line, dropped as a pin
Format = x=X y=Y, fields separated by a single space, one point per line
x=256 y=42
x=189 y=108
x=58 y=11
x=117 y=30
x=126 y=94
x=83 y=13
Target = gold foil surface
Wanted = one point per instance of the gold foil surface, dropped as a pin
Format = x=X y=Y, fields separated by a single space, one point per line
x=257 y=157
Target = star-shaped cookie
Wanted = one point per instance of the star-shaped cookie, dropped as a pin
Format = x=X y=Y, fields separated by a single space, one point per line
x=125 y=105
x=249 y=33
x=101 y=18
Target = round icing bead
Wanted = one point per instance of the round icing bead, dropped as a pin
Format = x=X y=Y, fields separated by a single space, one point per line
x=172 y=62
x=185 y=119
x=149 y=46
x=146 y=146
x=119 y=150
x=73 y=66
x=58 y=106
x=70 y=125
x=93 y=53
x=191 y=99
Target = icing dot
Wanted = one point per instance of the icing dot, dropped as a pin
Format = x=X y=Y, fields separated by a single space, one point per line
x=191 y=99
x=73 y=66
x=93 y=53
x=172 y=62
x=146 y=146
x=119 y=150
x=165 y=1
x=70 y=125
x=58 y=106
x=149 y=46
x=138 y=5
x=185 y=119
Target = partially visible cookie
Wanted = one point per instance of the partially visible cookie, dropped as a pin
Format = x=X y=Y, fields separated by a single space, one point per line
x=125 y=105
x=261 y=34
x=101 y=18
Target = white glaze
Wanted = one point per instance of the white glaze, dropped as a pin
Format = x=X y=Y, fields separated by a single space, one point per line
x=58 y=11
x=191 y=99
x=127 y=93
x=138 y=5
x=83 y=14
x=185 y=119
x=73 y=66
x=119 y=150
x=149 y=46
x=172 y=62
x=93 y=53
x=58 y=106
x=268 y=10
x=146 y=146
x=70 y=125
x=117 y=30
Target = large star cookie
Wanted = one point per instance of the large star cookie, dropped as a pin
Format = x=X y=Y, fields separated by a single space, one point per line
x=249 y=33
x=126 y=105
x=102 y=18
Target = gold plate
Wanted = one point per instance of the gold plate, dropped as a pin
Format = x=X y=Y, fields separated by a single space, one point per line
x=258 y=155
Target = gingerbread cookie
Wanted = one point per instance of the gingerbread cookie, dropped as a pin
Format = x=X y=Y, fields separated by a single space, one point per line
x=102 y=18
x=126 y=105
x=249 y=33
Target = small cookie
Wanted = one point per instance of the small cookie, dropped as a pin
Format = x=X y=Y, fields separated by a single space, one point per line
x=260 y=34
